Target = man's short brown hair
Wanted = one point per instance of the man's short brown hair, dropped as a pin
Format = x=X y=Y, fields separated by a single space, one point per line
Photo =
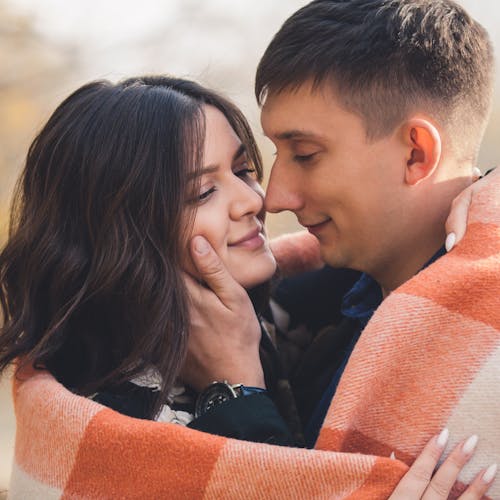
x=387 y=59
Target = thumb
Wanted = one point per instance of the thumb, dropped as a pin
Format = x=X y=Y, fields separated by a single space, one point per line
x=213 y=271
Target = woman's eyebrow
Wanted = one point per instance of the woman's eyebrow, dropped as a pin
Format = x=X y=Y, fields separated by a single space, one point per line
x=210 y=169
x=241 y=149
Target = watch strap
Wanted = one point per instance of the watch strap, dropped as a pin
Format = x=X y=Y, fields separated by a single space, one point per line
x=219 y=392
x=245 y=390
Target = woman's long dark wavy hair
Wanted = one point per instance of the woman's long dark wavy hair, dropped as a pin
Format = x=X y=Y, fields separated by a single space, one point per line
x=90 y=278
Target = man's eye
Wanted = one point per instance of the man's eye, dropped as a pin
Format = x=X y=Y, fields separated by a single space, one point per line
x=304 y=158
x=206 y=194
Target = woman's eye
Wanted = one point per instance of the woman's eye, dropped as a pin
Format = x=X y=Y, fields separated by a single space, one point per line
x=206 y=194
x=242 y=172
x=243 y=169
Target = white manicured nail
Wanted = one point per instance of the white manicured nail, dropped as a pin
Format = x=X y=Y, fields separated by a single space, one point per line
x=490 y=473
x=443 y=438
x=476 y=172
x=470 y=444
x=450 y=241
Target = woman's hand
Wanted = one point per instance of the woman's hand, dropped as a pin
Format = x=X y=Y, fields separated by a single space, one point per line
x=225 y=333
x=456 y=223
x=421 y=482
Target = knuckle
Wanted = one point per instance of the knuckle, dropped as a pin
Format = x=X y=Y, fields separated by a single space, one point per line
x=421 y=474
x=455 y=462
x=440 y=487
x=212 y=268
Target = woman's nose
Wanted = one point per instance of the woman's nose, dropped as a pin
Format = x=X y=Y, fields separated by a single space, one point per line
x=248 y=198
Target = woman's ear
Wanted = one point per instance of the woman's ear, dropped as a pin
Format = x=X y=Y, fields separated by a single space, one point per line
x=423 y=143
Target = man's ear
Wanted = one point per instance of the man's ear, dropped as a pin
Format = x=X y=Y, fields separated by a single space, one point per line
x=423 y=143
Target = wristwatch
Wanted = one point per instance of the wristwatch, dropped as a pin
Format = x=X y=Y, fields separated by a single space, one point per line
x=219 y=392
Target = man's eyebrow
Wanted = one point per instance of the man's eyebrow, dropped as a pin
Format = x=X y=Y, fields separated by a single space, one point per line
x=210 y=169
x=296 y=134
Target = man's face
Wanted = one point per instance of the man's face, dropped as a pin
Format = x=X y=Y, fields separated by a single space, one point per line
x=345 y=188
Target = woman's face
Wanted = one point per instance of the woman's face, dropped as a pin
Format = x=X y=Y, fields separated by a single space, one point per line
x=230 y=212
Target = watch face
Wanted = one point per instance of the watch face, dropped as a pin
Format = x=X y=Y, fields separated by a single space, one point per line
x=214 y=395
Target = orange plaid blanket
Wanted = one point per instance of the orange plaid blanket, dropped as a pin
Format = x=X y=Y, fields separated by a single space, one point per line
x=429 y=358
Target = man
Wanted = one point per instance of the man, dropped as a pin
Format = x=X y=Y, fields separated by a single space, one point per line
x=377 y=110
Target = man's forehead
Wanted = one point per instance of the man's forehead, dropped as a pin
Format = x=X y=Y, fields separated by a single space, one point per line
x=301 y=91
x=288 y=117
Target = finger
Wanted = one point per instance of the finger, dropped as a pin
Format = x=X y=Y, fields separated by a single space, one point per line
x=194 y=288
x=201 y=298
x=445 y=477
x=476 y=174
x=481 y=484
x=416 y=480
x=213 y=272
x=457 y=220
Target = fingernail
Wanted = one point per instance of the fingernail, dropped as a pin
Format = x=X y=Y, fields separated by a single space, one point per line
x=201 y=245
x=450 y=241
x=490 y=473
x=443 y=438
x=470 y=444
x=476 y=172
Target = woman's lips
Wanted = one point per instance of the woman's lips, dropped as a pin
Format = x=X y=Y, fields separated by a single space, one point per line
x=251 y=241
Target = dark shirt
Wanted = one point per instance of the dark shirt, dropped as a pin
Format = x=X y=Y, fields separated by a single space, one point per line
x=358 y=304
x=269 y=417
x=251 y=418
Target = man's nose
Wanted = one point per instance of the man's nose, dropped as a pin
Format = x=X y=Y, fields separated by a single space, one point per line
x=282 y=192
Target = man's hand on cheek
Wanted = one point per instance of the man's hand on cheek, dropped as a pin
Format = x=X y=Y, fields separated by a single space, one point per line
x=225 y=333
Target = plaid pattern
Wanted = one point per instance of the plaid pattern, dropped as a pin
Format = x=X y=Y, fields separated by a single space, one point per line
x=429 y=358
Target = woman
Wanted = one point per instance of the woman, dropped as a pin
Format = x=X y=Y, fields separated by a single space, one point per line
x=92 y=278
x=98 y=246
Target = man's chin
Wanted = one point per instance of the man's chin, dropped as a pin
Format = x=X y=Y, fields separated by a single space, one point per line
x=332 y=257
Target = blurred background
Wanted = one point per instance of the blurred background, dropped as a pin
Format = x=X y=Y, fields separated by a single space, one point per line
x=50 y=47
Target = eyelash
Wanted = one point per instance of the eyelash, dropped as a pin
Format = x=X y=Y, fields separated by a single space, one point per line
x=203 y=196
x=244 y=171
x=240 y=173
x=304 y=158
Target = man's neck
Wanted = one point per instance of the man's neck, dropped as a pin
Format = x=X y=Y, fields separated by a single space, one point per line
x=407 y=264
x=423 y=231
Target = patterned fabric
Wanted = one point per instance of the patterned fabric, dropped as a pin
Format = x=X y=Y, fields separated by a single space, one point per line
x=429 y=358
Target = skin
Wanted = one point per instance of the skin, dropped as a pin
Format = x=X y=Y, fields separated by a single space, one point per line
x=229 y=219
x=229 y=210
x=226 y=354
x=422 y=481
x=378 y=206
